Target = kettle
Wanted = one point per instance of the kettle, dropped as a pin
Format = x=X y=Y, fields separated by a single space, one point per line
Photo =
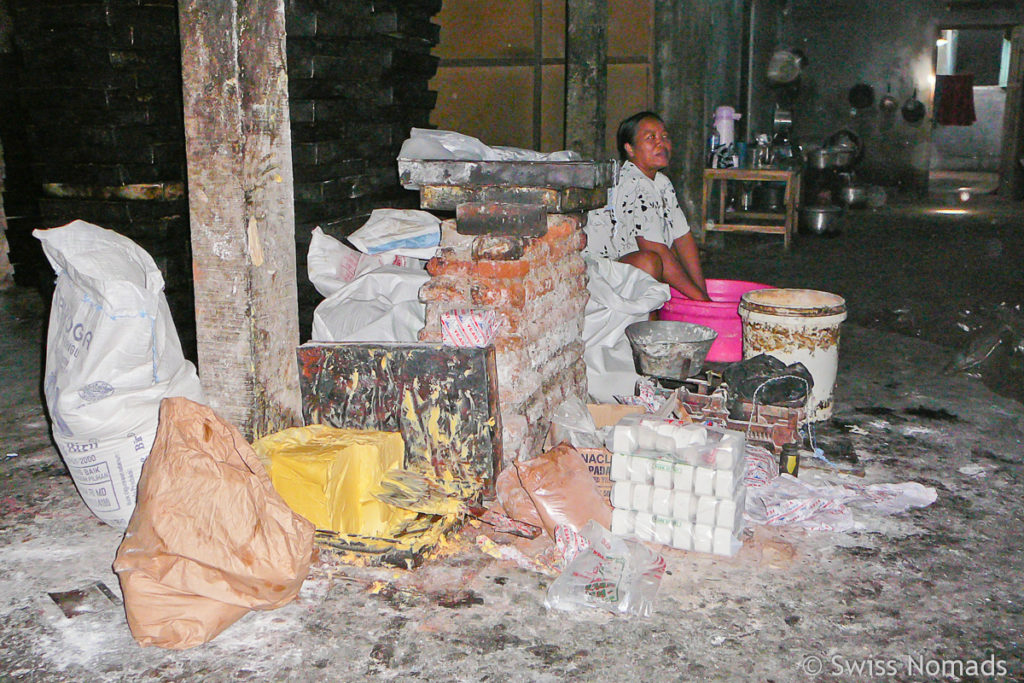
x=725 y=120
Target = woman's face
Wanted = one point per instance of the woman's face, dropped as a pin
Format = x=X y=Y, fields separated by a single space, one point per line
x=651 y=148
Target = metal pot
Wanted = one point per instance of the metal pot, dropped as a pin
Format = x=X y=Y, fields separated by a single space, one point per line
x=770 y=196
x=838 y=156
x=820 y=220
x=819 y=158
x=854 y=196
x=846 y=146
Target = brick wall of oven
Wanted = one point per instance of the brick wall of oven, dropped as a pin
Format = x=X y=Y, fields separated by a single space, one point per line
x=537 y=287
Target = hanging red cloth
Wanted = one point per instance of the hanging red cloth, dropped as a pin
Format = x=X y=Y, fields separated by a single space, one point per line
x=954 y=100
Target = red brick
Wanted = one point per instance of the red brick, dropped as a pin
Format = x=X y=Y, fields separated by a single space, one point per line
x=444 y=263
x=576 y=266
x=426 y=335
x=501 y=269
x=498 y=248
x=580 y=241
x=446 y=289
x=498 y=294
x=560 y=227
x=536 y=251
x=574 y=221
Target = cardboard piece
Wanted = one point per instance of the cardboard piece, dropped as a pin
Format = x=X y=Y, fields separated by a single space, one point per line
x=210 y=539
x=599 y=460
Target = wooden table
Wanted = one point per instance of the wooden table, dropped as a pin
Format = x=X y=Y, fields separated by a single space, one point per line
x=740 y=221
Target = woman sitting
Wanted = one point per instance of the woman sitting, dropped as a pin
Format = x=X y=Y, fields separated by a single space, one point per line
x=643 y=224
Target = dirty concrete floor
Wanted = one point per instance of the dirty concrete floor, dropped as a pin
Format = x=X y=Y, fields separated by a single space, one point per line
x=930 y=588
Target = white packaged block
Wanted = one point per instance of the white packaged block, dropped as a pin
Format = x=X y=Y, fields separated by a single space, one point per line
x=642 y=497
x=663 y=473
x=724 y=543
x=689 y=454
x=664 y=444
x=644 y=529
x=730 y=449
x=725 y=484
x=724 y=457
x=666 y=429
x=641 y=469
x=620 y=467
x=623 y=522
x=646 y=439
x=707 y=510
x=663 y=529
x=684 y=506
x=704 y=481
x=695 y=434
x=682 y=476
x=661 y=501
x=726 y=516
x=682 y=535
x=624 y=439
x=622 y=495
x=703 y=538
x=730 y=512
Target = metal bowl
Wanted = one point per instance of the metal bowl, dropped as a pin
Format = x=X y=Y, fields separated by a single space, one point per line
x=669 y=348
x=836 y=156
x=820 y=220
x=854 y=196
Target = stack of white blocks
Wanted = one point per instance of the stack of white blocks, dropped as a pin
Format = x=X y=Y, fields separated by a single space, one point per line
x=678 y=484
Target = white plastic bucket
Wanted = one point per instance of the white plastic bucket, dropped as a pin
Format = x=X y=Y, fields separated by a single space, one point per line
x=797 y=325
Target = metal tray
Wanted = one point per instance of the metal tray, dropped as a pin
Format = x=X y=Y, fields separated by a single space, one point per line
x=550 y=174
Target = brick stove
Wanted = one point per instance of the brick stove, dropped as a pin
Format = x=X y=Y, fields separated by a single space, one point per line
x=514 y=248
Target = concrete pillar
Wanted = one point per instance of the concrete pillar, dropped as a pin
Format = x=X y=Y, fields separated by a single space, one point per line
x=680 y=67
x=1011 y=175
x=586 y=76
x=238 y=146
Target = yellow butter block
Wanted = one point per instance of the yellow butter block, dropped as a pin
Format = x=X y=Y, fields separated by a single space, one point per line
x=326 y=474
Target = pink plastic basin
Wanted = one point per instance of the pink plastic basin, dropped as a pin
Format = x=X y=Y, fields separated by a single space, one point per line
x=720 y=314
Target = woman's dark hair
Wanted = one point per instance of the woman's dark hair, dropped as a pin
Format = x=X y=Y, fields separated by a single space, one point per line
x=627 y=130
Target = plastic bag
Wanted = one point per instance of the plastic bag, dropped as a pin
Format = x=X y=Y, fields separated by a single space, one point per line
x=429 y=144
x=405 y=232
x=613 y=574
x=571 y=421
x=331 y=264
x=381 y=305
x=112 y=354
x=514 y=499
x=562 y=489
x=619 y=295
x=766 y=380
x=210 y=538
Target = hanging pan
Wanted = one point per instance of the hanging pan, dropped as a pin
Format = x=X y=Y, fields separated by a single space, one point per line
x=861 y=96
x=913 y=109
x=888 y=104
